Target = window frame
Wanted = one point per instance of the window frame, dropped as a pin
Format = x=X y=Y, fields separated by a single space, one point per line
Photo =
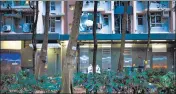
x=155 y=23
x=31 y=19
x=52 y=5
x=50 y=26
x=140 y=17
x=106 y=20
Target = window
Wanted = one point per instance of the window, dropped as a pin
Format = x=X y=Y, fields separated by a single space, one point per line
x=52 y=5
x=91 y=15
x=86 y=24
x=84 y=59
x=52 y=24
x=58 y=18
x=106 y=58
x=156 y=19
x=159 y=62
x=106 y=20
x=127 y=56
x=29 y=19
x=140 y=20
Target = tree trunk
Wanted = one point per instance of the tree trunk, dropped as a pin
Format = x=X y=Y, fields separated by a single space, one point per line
x=68 y=66
x=124 y=29
x=78 y=58
x=175 y=20
x=43 y=53
x=34 y=25
x=94 y=36
x=0 y=17
x=148 y=43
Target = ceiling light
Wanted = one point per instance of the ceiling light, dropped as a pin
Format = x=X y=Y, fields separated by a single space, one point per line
x=52 y=45
x=128 y=45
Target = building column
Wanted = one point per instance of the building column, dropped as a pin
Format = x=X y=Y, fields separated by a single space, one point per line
x=62 y=18
x=40 y=26
x=134 y=28
x=173 y=18
x=63 y=52
x=112 y=17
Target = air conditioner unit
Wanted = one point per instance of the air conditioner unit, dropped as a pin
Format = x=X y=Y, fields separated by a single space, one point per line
x=165 y=14
x=58 y=19
x=6 y=28
x=26 y=27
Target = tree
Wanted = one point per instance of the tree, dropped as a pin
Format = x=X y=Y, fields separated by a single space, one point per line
x=78 y=57
x=0 y=16
x=94 y=36
x=175 y=13
x=68 y=66
x=34 y=25
x=149 y=28
x=43 y=54
x=124 y=29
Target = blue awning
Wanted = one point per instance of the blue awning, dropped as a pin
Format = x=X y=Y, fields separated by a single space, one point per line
x=118 y=37
x=61 y=37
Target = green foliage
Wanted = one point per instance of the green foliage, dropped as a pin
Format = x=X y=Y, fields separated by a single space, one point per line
x=79 y=79
x=146 y=81
x=25 y=82
x=49 y=83
x=93 y=82
x=108 y=81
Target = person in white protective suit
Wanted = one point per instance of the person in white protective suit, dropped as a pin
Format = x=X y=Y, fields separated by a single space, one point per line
x=97 y=69
x=90 y=69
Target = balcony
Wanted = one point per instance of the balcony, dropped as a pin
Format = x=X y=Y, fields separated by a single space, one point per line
x=55 y=9
x=15 y=4
x=159 y=5
x=103 y=23
x=120 y=10
x=102 y=6
x=13 y=14
x=21 y=4
x=154 y=6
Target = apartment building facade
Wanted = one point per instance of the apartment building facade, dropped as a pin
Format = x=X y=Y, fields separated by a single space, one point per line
x=16 y=33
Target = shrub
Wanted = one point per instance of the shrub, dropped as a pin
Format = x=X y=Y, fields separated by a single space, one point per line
x=25 y=82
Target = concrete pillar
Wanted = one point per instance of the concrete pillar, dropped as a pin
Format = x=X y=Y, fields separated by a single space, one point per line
x=63 y=52
x=40 y=27
x=134 y=28
x=173 y=16
x=62 y=19
x=112 y=17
